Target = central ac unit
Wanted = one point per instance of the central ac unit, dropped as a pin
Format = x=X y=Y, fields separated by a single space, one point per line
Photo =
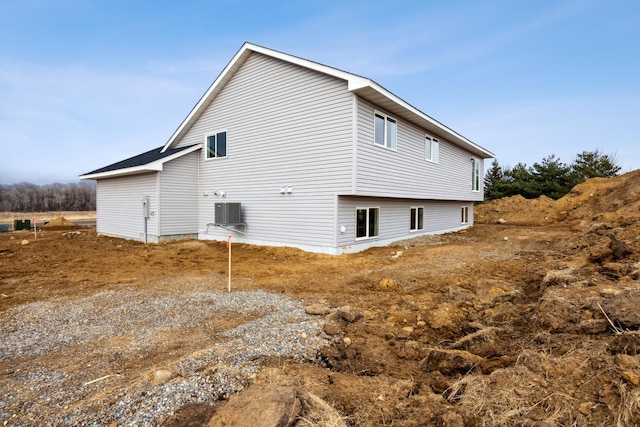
x=228 y=213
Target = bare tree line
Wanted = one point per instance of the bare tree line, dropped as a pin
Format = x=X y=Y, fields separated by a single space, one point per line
x=26 y=197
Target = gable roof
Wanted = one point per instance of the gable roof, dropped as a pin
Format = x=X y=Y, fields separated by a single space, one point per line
x=361 y=86
x=150 y=161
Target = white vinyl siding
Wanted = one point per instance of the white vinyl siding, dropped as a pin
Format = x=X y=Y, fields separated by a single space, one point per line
x=178 y=211
x=119 y=206
x=439 y=216
x=286 y=126
x=404 y=173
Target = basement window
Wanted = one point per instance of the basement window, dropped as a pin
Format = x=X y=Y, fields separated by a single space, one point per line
x=367 y=220
x=465 y=215
x=417 y=219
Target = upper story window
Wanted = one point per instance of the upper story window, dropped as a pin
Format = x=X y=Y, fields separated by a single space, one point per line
x=432 y=149
x=217 y=145
x=385 y=130
x=475 y=175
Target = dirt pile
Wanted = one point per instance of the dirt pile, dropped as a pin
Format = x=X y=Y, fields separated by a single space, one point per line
x=613 y=200
x=59 y=223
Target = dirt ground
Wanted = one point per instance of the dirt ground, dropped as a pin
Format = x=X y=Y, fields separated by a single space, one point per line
x=530 y=317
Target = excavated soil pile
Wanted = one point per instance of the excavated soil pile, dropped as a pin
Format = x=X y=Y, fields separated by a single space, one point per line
x=614 y=200
x=532 y=321
x=59 y=223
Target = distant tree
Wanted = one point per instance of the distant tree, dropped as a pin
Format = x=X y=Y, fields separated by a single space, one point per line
x=26 y=197
x=593 y=164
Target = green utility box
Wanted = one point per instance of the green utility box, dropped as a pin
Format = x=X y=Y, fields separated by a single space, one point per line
x=21 y=224
x=4 y=228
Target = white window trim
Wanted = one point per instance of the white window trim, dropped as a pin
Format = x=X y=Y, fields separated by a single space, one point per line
x=206 y=147
x=413 y=230
x=384 y=132
x=464 y=215
x=367 y=221
x=434 y=155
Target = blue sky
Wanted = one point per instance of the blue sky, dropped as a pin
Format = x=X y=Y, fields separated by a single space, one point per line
x=87 y=83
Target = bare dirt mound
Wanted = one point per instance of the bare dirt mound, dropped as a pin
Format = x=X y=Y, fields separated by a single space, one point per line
x=613 y=200
x=60 y=223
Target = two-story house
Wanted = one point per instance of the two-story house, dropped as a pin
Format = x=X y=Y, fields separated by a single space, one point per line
x=285 y=151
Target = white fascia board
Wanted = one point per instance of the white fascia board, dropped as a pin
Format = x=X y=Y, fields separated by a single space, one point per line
x=155 y=166
x=151 y=167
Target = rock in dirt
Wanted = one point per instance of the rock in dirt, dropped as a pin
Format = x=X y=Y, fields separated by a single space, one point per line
x=622 y=309
x=317 y=309
x=630 y=377
x=450 y=361
x=619 y=248
x=349 y=314
x=388 y=284
x=259 y=406
x=330 y=329
x=161 y=376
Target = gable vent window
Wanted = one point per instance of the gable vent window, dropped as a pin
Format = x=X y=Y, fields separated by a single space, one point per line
x=217 y=145
x=385 y=129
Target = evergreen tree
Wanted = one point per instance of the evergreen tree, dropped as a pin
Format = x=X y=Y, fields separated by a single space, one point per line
x=552 y=177
x=592 y=164
x=494 y=183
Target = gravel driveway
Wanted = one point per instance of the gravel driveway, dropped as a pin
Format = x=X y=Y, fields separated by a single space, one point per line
x=127 y=357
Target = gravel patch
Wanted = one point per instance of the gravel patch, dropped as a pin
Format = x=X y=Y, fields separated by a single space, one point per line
x=61 y=361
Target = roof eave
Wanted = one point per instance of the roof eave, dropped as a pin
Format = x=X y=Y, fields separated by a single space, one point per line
x=136 y=170
x=155 y=166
